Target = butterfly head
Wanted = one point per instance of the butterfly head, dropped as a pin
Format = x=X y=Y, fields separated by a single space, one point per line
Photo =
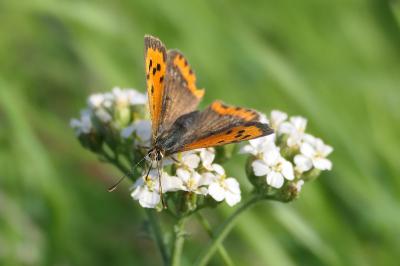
x=155 y=154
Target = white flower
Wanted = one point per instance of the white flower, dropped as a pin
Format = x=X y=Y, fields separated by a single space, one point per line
x=84 y=125
x=258 y=146
x=125 y=97
x=146 y=190
x=295 y=129
x=96 y=100
x=277 y=118
x=135 y=97
x=207 y=156
x=274 y=167
x=142 y=129
x=313 y=154
x=222 y=187
x=188 y=160
x=103 y=115
x=192 y=181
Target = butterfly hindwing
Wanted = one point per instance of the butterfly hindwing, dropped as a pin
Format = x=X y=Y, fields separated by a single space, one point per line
x=181 y=95
x=243 y=131
x=155 y=68
x=217 y=125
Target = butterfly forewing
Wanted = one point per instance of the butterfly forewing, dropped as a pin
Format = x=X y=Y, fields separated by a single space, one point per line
x=181 y=96
x=155 y=66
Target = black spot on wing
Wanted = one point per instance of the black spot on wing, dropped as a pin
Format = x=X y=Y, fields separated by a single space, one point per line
x=247 y=136
x=238 y=136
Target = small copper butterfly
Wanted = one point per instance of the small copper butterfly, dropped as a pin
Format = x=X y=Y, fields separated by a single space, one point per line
x=173 y=98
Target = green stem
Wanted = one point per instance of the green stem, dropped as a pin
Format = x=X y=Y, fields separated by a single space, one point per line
x=155 y=226
x=223 y=231
x=179 y=231
x=221 y=249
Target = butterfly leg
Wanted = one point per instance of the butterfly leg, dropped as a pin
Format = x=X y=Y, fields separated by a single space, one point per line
x=160 y=185
x=147 y=174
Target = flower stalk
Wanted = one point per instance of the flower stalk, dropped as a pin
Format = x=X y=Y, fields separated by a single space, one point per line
x=179 y=239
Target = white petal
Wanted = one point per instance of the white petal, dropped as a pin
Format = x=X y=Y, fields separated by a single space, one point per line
x=207 y=178
x=232 y=198
x=183 y=174
x=196 y=177
x=322 y=148
x=287 y=170
x=149 y=199
x=275 y=179
x=248 y=149
x=307 y=149
x=216 y=191
x=137 y=192
x=299 y=123
x=260 y=168
x=272 y=156
x=207 y=157
x=191 y=160
x=218 y=169
x=136 y=97
x=322 y=164
x=170 y=183
x=303 y=163
x=294 y=139
x=277 y=118
x=309 y=139
x=263 y=118
x=285 y=128
x=258 y=141
x=232 y=185
x=327 y=150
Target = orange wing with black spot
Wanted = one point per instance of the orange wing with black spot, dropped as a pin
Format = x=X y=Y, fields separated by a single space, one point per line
x=155 y=67
x=217 y=125
x=181 y=95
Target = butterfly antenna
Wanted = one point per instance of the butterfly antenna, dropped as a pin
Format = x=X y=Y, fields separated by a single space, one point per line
x=159 y=184
x=113 y=187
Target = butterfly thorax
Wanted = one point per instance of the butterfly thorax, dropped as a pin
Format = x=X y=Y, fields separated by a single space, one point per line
x=173 y=139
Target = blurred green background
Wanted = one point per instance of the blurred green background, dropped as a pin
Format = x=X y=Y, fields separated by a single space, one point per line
x=335 y=62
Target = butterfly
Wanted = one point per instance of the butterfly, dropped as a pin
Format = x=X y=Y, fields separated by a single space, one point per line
x=173 y=97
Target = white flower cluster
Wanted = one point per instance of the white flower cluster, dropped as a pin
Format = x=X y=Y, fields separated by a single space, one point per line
x=107 y=108
x=195 y=173
x=289 y=153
